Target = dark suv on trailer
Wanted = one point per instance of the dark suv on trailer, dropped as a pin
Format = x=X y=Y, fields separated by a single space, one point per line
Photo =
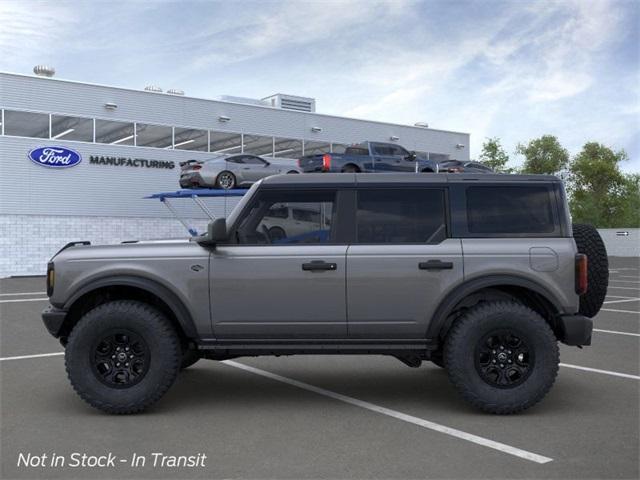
x=480 y=274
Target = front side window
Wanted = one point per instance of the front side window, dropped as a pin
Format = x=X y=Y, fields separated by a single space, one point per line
x=401 y=216
x=251 y=160
x=267 y=222
x=513 y=210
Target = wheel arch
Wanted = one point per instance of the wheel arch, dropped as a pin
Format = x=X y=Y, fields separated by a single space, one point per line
x=353 y=165
x=493 y=287
x=129 y=287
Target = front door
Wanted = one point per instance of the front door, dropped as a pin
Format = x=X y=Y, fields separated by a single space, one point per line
x=401 y=262
x=282 y=278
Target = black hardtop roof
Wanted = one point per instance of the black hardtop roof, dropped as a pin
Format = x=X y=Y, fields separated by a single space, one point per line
x=356 y=179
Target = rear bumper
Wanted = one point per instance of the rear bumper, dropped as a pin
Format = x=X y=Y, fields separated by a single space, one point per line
x=575 y=329
x=53 y=319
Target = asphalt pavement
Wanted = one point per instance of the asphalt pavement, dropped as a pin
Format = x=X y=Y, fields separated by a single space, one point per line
x=322 y=417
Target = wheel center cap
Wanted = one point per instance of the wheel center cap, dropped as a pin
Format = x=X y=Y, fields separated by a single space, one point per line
x=502 y=356
x=122 y=357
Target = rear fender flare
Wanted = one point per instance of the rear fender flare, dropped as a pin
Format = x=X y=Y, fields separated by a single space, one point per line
x=440 y=323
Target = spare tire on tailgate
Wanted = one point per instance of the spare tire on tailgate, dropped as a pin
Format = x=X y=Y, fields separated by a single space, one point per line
x=590 y=243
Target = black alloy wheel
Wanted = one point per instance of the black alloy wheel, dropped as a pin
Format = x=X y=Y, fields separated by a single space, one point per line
x=120 y=359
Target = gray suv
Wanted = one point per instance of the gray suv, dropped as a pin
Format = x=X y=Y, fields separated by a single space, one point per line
x=480 y=274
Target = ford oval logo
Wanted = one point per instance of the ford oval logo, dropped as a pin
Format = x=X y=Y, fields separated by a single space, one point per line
x=55 y=157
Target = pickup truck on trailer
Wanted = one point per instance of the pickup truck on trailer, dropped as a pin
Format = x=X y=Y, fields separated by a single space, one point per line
x=371 y=157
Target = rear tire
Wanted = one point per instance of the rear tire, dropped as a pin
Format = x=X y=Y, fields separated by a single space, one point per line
x=122 y=356
x=590 y=243
x=350 y=169
x=225 y=180
x=502 y=357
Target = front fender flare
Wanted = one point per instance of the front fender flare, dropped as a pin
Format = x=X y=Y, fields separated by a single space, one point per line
x=174 y=303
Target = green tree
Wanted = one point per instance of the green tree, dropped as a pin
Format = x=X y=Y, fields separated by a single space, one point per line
x=600 y=193
x=494 y=156
x=543 y=155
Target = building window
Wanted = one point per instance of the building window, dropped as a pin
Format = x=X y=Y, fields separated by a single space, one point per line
x=225 y=142
x=26 y=124
x=114 y=133
x=190 y=139
x=71 y=128
x=287 y=148
x=258 y=145
x=157 y=136
x=315 y=148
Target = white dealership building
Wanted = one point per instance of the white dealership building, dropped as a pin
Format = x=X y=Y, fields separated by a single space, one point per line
x=129 y=144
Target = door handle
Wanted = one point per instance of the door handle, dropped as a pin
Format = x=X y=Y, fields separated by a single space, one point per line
x=435 y=265
x=319 y=266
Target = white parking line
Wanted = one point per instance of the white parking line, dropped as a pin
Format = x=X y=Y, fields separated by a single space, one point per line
x=623 y=281
x=625 y=300
x=637 y=289
x=628 y=276
x=596 y=370
x=21 y=293
x=23 y=357
x=618 y=311
x=485 y=442
x=616 y=332
x=24 y=300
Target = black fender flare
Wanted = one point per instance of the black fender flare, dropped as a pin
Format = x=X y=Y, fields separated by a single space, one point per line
x=459 y=293
x=174 y=303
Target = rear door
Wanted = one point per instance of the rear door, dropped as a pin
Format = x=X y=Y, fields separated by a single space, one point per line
x=401 y=262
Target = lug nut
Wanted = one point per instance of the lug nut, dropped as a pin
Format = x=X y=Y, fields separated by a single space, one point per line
x=493 y=361
x=502 y=365
x=130 y=356
x=117 y=349
x=118 y=364
x=127 y=349
x=493 y=351
x=126 y=364
x=509 y=361
x=501 y=347
x=113 y=356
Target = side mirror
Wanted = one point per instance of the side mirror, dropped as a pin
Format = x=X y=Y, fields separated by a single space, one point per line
x=216 y=233
x=412 y=156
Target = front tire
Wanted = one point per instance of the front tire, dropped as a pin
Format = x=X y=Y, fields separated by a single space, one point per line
x=502 y=357
x=122 y=356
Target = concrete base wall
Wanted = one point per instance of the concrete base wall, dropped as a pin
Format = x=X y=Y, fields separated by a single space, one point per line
x=27 y=242
x=620 y=245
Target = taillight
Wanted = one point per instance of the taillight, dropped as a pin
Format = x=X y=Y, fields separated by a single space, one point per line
x=51 y=278
x=582 y=280
x=196 y=167
x=299 y=163
x=326 y=162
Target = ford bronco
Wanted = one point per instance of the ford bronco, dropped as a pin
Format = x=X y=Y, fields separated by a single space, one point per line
x=482 y=275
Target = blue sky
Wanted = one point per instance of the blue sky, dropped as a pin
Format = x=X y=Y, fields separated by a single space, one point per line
x=515 y=70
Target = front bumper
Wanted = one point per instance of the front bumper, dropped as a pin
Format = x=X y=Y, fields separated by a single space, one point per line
x=575 y=329
x=53 y=319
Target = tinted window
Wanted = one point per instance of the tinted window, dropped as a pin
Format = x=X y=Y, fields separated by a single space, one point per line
x=401 y=216
x=238 y=159
x=253 y=160
x=515 y=209
x=113 y=132
x=26 y=124
x=71 y=128
x=357 y=151
x=267 y=221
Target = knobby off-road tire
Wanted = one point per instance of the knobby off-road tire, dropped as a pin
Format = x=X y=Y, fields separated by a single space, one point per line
x=111 y=381
x=189 y=357
x=469 y=355
x=590 y=243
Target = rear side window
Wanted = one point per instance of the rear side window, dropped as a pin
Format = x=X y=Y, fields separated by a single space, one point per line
x=401 y=216
x=356 y=151
x=515 y=209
